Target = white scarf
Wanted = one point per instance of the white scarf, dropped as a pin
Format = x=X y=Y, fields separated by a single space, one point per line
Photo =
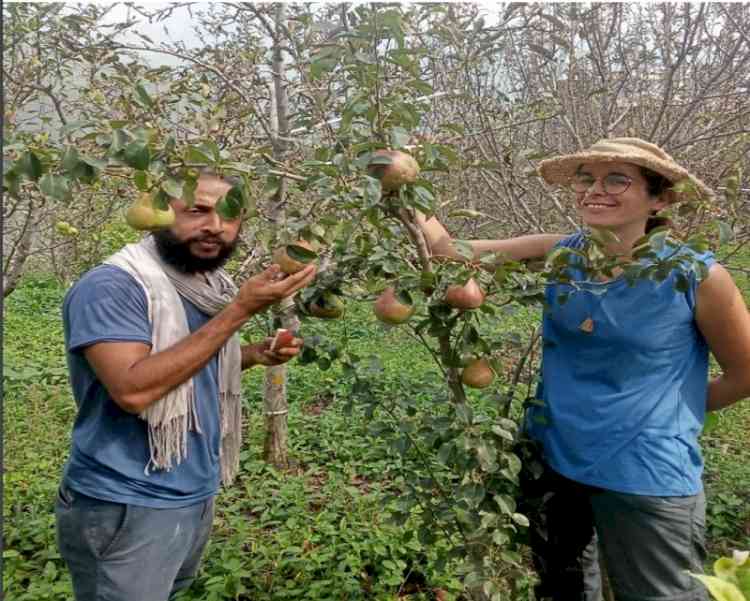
x=171 y=417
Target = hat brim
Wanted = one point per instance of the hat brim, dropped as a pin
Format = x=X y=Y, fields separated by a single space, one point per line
x=560 y=170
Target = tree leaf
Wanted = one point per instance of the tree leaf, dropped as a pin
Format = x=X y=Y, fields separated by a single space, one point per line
x=95 y=163
x=399 y=137
x=140 y=179
x=70 y=158
x=197 y=155
x=30 y=166
x=464 y=249
x=137 y=156
x=506 y=504
x=143 y=96
x=173 y=187
x=726 y=233
x=55 y=186
x=300 y=253
x=721 y=590
x=12 y=183
x=464 y=413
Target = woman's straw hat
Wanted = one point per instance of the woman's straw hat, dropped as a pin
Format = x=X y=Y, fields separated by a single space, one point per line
x=560 y=170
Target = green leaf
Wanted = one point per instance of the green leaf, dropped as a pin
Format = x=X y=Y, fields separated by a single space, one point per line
x=603 y=236
x=271 y=186
x=140 y=179
x=464 y=249
x=30 y=166
x=520 y=519
x=726 y=233
x=72 y=126
x=423 y=199
x=372 y=191
x=12 y=183
x=681 y=284
x=55 y=186
x=137 y=156
x=92 y=162
x=392 y=20
x=143 y=96
x=399 y=137
x=86 y=173
x=502 y=433
x=486 y=457
x=506 y=504
x=721 y=590
x=120 y=139
x=188 y=190
x=300 y=253
x=444 y=452
x=467 y=213
x=70 y=159
x=420 y=86
x=464 y=413
x=197 y=155
x=227 y=209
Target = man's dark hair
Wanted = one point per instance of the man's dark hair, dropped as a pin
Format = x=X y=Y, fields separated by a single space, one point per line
x=232 y=180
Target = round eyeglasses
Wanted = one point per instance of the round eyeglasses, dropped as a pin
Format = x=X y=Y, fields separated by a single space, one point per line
x=612 y=184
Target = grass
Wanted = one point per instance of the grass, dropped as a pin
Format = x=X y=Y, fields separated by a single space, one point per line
x=319 y=531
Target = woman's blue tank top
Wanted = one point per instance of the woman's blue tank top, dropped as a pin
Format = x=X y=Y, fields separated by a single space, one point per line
x=622 y=405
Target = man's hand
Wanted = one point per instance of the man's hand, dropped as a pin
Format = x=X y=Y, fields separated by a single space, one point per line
x=261 y=353
x=270 y=286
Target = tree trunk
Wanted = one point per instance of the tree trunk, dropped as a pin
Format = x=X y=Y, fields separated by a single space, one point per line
x=17 y=260
x=275 y=405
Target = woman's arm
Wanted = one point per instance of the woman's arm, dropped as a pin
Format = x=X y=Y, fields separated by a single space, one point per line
x=724 y=321
x=533 y=246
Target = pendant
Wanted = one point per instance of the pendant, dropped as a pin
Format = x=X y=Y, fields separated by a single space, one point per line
x=587 y=325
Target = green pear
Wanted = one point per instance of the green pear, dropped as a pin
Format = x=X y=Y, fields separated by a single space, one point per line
x=143 y=215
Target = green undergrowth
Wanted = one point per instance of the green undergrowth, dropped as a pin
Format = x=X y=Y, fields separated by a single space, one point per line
x=317 y=531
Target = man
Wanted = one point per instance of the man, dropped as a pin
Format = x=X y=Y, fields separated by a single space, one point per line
x=155 y=364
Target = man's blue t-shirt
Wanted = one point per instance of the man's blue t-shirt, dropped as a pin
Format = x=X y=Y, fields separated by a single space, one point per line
x=624 y=402
x=110 y=450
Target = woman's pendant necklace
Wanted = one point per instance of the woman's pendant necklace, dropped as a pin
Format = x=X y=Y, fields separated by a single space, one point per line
x=587 y=325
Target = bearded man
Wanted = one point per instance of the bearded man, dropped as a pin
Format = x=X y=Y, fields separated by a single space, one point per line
x=155 y=361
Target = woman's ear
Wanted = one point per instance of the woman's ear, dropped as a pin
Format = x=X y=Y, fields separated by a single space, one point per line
x=666 y=198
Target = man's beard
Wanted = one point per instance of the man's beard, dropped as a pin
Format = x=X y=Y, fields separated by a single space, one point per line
x=176 y=252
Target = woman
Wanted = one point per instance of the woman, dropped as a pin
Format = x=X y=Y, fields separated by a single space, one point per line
x=624 y=389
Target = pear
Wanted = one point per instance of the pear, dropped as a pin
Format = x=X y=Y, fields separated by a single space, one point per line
x=389 y=309
x=403 y=169
x=468 y=296
x=144 y=216
x=327 y=306
x=478 y=374
x=285 y=262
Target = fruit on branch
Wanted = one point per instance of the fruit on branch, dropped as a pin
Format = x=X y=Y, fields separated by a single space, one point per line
x=390 y=309
x=403 y=169
x=468 y=296
x=281 y=339
x=327 y=306
x=144 y=216
x=478 y=374
x=64 y=228
x=287 y=264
